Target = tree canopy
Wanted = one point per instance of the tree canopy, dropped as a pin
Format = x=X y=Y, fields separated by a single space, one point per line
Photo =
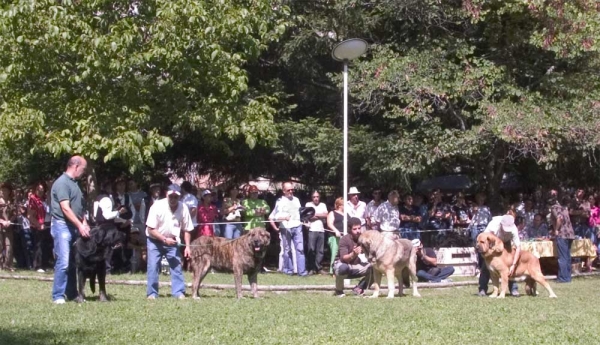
x=248 y=88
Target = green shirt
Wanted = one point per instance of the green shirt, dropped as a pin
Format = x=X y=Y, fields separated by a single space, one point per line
x=66 y=188
x=251 y=205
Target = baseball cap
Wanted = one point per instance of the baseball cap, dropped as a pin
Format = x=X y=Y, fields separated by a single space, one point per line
x=508 y=223
x=416 y=242
x=174 y=189
x=206 y=192
x=252 y=189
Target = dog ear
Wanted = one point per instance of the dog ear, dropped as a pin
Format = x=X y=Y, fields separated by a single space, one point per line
x=97 y=234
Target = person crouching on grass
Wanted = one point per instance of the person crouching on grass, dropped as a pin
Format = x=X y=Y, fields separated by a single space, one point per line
x=349 y=262
x=166 y=218
x=427 y=269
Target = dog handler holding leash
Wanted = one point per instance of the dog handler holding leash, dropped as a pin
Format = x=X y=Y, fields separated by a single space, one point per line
x=166 y=218
x=504 y=227
x=68 y=223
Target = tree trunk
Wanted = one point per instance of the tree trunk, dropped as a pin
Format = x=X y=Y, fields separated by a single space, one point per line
x=494 y=173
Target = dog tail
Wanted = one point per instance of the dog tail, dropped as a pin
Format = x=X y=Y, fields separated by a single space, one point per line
x=93 y=283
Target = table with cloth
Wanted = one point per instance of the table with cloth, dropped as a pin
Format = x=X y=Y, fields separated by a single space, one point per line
x=547 y=249
x=547 y=252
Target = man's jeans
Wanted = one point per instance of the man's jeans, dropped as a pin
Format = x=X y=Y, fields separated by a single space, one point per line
x=444 y=273
x=287 y=236
x=564 y=259
x=316 y=242
x=65 y=274
x=27 y=247
x=233 y=231
x=156 y=250
x=410 y=233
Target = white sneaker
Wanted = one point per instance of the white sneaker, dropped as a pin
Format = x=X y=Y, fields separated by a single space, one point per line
x=59 y=301
x=41 y=271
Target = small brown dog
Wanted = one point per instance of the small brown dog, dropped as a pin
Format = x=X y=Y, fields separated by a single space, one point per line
x=498 y=260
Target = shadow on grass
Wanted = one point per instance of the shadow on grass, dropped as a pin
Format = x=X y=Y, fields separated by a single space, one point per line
x=20 y=336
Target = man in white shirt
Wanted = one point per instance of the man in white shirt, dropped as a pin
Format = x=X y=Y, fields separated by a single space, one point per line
x=107 y=211
x=387 y=216
x=316 y=234
x=166 y=219
x=356 y=208
x=504 y=227
x=287 y=211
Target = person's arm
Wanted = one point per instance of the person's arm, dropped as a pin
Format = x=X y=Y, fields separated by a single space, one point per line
x=84 y=229
x=517 y=242
x=347 y=255
x=249 y=211
x=426 y=258
x=188 y=227
x=330 y=226
x=106 y=208
x=169 y=241
x=143 y=211
x=272 y=218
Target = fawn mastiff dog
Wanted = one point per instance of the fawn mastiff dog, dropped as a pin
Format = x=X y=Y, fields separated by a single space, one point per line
x=395 y=257
x=498 y=260
x=243 y=255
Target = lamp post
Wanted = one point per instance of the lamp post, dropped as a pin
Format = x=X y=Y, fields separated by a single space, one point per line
x=344 y=52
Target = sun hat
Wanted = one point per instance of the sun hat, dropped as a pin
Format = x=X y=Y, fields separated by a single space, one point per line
x=416 y=242
x=353 y=190
x=174 y=189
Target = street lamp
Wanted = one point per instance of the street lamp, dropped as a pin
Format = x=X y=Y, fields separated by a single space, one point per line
x=344 y=52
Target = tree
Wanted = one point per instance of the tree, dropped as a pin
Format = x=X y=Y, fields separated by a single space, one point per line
x=124 y=79
x=480 y=85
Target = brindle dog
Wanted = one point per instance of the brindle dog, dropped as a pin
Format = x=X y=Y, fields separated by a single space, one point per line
x=243 y=255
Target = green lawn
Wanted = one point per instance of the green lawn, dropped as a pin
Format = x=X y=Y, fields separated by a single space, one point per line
x=442 y=316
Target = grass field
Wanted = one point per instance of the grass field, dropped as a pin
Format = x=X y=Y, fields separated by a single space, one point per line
x=442 y=316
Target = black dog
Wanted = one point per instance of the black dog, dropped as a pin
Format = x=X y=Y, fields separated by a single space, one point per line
x=90 y=257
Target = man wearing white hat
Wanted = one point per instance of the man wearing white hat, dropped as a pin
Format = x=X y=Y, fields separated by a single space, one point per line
x=166 y=219
x=356 y=208
x=504 y=227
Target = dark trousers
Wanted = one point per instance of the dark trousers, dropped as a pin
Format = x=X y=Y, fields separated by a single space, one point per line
x=443 y=273
x=42 y=242
x=26 y=248
x=314 y=256
x=564 y=259
x=484 y=277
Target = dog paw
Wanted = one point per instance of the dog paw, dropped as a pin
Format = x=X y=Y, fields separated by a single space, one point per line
x=417 y=295
x=79 y=300
x=390 y=296
x=196 y=297
x=374 y=296
x=493 y=296
x=553 y=296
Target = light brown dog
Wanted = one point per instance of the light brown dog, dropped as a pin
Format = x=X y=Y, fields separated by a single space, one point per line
x=395 y=257
x=243 y=255
x=498 y=260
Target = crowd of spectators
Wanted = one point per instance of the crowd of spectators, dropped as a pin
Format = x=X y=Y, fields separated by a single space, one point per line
x=429 y=218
